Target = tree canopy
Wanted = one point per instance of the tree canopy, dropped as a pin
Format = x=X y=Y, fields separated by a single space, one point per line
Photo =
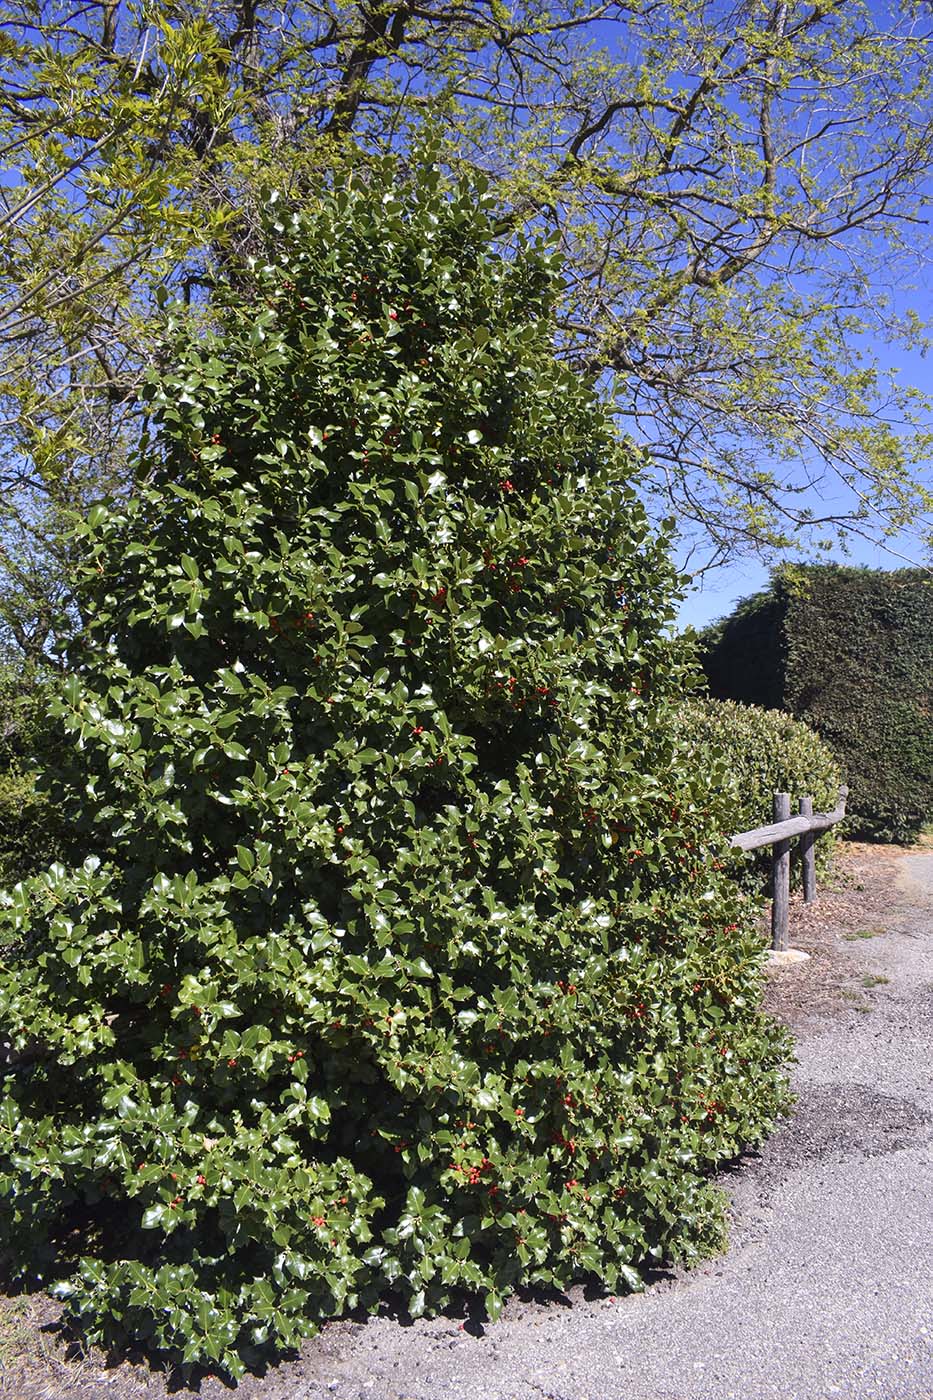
x=736 y=189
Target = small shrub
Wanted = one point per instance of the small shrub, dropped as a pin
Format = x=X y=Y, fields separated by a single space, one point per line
x=757 y=753
x=401 y=964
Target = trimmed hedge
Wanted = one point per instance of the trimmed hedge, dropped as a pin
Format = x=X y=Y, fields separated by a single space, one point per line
x=744 y=655
x=850 y=651
x=759 y=752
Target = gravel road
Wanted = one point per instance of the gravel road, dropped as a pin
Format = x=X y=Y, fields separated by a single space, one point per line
x=827 y=1288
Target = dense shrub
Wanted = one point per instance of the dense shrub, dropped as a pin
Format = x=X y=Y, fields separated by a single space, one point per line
x=403 y=965
x=851 y=653
x=760 y=752
x=30 y=833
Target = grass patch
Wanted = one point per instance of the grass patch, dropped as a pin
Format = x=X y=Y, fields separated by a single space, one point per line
x=861 y=933
x=874 y=979
x=855 y=1000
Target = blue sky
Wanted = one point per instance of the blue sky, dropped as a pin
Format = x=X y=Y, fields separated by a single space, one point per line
x=715 y=595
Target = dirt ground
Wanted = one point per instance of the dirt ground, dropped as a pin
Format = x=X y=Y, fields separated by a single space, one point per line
x=851 y=910
x=38 y=1363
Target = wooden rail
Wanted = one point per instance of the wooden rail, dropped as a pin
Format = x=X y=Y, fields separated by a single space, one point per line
x=780 y=834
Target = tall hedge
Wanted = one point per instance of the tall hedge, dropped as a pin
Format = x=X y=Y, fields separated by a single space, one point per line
x=850 y=651
x=402 y=965
x=744 y=655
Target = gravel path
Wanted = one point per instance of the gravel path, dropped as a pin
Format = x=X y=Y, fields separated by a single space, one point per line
x=827 y=1288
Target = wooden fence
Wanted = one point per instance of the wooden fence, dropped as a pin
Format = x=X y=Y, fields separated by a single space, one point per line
x=780 y=835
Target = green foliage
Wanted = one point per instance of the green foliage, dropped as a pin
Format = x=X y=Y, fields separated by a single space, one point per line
x=98 y=130
x=748 y=174
x=400 y=963
x=743 y=654
x=761 y=752
x=855 y=661
x=860 y=669
x=30 y=835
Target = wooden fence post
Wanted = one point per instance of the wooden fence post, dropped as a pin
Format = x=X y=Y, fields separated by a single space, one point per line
x=807 y=854
x=779 y=836
x=780 y=908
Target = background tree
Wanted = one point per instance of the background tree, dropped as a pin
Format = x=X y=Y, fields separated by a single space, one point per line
x=402 y=961
x=30 y=832
x=737 y=190
x=101 y=203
